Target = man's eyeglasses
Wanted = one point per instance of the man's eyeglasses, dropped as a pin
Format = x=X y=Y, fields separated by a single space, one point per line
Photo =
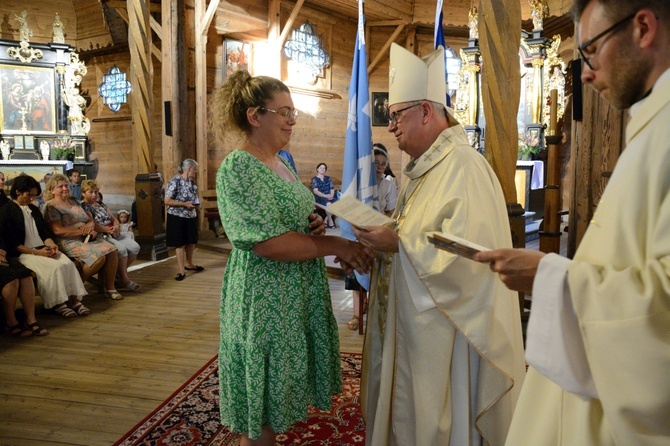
x=584 y=46
x=287 y=113
x=396 y=114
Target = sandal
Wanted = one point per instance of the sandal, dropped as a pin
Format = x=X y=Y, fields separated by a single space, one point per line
x=36 y=329
x=131 y=286
x=81 y=309
x=179 y=277
x=353 y=323
x=113 y=294
x=18 y=331
x=65 y=311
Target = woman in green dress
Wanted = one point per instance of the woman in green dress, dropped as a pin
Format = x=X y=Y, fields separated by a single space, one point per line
x=279 y=348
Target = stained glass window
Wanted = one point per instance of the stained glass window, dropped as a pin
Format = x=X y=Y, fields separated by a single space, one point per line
x=114 y=88
x=306 y=49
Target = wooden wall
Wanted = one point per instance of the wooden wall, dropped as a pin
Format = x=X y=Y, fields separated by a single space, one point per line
x=41 y=15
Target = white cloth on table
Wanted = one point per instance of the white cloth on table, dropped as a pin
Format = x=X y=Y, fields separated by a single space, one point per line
x=537 y=180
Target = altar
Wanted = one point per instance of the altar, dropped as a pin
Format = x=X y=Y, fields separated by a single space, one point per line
x=41 y=114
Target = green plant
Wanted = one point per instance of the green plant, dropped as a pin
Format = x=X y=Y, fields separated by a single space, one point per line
x=529 y=144
x=63 y=147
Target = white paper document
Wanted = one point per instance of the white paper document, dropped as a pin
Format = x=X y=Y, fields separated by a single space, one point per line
x=356 y=212
x=455 y=245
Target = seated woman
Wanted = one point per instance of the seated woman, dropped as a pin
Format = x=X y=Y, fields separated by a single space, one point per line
x=57 y=278
x=107 y=225
x=324 y=191
x=16 y=282
x=75 y=235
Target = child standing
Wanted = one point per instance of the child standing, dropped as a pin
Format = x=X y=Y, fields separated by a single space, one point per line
x=125 y=224
x=75 y=187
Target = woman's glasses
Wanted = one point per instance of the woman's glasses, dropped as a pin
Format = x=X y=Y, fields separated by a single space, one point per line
x=287 y=113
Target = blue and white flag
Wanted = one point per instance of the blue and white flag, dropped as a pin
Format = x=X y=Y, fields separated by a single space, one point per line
x=438 y=36
x=358 y=173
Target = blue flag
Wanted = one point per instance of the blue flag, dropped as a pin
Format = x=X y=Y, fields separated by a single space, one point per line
x=439 y=40
x=358 y=173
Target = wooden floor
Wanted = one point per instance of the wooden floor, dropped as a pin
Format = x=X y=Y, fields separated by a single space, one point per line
x=93 y=378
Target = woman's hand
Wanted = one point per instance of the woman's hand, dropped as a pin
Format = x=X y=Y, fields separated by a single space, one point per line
x=54 y=252
x=88 y=228
x=355 y=256
x=316 y=225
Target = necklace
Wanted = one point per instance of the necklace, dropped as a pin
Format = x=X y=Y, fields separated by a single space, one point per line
x=272 y=162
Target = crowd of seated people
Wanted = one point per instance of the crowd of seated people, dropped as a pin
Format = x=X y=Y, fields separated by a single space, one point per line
x=61 y=245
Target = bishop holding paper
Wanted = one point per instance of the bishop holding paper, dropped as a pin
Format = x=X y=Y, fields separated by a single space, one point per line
x=443 y=354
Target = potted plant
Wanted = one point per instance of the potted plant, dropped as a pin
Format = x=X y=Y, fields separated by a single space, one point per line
x=63 y=148
x=529 y=145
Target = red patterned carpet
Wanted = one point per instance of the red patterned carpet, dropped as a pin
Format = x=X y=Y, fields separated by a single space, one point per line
x=191 y=415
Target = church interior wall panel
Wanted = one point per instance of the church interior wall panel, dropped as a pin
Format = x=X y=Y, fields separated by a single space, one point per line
x=41 y=16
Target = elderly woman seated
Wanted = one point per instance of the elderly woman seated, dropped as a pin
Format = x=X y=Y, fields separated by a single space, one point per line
x=107 y=225
x=30 y=240
x=75 y=235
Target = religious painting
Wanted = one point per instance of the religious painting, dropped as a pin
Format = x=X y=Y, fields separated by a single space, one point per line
x=28 y=99
x=237 y=56
x=41 y=172
x=380 y=109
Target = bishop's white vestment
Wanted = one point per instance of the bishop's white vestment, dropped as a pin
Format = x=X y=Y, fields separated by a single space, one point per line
x=443 y=353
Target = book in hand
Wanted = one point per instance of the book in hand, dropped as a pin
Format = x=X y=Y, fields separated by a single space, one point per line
x=455 y=245
x=357 y=213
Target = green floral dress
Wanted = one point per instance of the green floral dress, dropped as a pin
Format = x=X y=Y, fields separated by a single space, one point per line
x=279 y=348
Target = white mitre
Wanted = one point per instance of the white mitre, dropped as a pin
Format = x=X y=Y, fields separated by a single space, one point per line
x=412 y=78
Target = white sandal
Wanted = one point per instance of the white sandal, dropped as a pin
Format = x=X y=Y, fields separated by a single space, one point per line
x=81 y=309
x=113 y=294
x=65 y=311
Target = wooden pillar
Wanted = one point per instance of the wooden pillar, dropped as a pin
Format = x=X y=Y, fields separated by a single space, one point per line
x=148 y=204
x=171 y=84
x=499 y=36
x=550 y=236
x=203 y=18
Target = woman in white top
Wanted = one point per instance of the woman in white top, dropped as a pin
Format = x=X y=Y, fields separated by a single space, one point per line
x=58 y=280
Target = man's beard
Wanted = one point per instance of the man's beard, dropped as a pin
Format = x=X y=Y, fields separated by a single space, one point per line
x=628 y=83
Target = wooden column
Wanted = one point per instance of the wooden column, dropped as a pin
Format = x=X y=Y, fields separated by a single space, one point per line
x=550 y=236
x=147 y=186
x=499 y=35
x=203 y=18
x=170 y=86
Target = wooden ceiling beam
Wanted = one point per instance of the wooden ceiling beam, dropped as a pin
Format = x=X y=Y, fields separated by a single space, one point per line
x=383 y=52
x=289 y=23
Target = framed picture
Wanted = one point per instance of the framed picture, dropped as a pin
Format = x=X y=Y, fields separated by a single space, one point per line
x=36 y=169
x=29 y=142
x=80 y=150
x=28 y=99
x=237 y=56
x=380 y=109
